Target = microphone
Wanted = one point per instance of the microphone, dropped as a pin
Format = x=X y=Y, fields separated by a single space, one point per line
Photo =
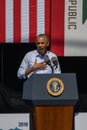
x=48 y=62
x=54 y=61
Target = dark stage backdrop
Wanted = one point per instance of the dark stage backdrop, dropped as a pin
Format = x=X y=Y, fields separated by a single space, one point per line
x=0 y=63
x=11 y=90
x=14 y=53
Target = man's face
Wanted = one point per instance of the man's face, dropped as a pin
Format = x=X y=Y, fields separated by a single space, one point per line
x=42 y=45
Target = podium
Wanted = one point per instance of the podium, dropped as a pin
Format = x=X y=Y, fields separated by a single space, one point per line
x=51 y=112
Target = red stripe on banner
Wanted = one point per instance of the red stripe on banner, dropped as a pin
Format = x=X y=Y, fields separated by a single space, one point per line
x=47 y=18
x=2 y=21
x=57 y=27
x=32 y=20
x=17 y=21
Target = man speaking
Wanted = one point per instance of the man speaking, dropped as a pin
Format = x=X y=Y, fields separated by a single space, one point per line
x=39 y=61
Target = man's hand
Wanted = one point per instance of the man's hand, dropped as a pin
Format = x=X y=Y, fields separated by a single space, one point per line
x=41 y=65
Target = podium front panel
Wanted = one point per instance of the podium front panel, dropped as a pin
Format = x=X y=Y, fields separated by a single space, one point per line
x=35 y=90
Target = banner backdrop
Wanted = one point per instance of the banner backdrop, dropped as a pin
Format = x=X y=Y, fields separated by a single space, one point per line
x=69 y=27
x=64 y=21
x=22 y=20
x=75 y=28
x=15 y=121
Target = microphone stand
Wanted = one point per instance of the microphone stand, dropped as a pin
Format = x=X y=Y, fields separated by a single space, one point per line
x=52 y=69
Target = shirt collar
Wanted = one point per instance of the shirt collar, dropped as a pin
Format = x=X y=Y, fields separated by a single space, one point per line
x=37 y=55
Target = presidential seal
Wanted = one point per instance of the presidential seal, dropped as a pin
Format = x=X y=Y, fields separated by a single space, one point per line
x=55 y=86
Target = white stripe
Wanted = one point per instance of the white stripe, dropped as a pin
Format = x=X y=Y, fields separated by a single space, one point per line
x=75 y=39
x=9 y=21
x=24 y=21
x=40 y=16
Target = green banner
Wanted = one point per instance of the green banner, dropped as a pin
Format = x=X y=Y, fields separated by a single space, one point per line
x=84 y=11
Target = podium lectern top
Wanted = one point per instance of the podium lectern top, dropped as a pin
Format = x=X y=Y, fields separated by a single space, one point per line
x=35 y=90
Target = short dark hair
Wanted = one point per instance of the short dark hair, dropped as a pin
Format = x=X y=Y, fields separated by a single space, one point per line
x=43 y=35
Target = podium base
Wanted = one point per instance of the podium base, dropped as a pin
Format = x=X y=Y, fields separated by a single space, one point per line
x=53 y=117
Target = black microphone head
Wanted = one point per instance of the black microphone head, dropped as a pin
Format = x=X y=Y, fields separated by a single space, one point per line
x=54 y=60
x=47 y=60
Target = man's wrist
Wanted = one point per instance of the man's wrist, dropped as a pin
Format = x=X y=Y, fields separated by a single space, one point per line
x=32 y=68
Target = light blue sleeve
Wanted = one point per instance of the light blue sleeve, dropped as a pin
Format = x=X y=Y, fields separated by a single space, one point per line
x=22 y=68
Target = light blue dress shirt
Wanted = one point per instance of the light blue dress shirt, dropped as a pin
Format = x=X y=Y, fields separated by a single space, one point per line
x=28 y=61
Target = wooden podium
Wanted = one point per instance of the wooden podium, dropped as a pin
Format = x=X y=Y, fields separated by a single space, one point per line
x=51 y=112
